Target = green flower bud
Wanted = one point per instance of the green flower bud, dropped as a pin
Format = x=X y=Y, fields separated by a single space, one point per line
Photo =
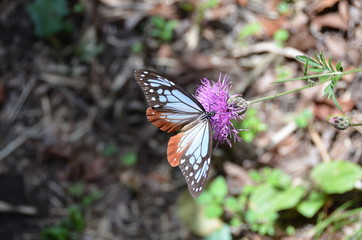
x=339 y=122
x=239 y=103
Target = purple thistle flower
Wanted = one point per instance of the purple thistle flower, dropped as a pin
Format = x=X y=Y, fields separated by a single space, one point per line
x=214 y=97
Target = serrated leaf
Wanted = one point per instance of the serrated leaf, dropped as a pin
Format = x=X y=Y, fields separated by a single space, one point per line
x=316 y=70
x=323 y=78
x=337 y=103
x=311 y=62
x=336 y=177
x=330 y=65
x=323 y=60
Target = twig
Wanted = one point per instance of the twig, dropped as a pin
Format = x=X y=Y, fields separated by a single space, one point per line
x=17 y=142
x=319 y=143
x=20 y=209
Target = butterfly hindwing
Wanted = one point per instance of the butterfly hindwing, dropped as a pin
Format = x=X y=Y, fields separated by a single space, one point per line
x=191 y=151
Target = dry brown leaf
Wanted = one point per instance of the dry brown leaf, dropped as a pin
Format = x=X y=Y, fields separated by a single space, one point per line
x=165 y=51
x=336 y=45
x=270 y=26
x=333 y=20
x=243 y=3
x=302 y=39
x=343 y=10
x=319 y=6
x=163 y=10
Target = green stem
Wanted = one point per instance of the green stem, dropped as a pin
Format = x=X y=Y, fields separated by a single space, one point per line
x=320 y=75
x=305 y=87
x=355 y=124
x=285 y=93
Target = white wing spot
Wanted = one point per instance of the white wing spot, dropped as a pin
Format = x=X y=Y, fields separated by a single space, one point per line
x=159 y=91
x=191 y=174
x=196 y=166
x=156 y=106
x=145 y=72
x=146 y=84
x=142 y=75
x=151 y=90
x=193 y=182
x=182 y=161
x=153 y=99
x=187 y=168
x=155 y=84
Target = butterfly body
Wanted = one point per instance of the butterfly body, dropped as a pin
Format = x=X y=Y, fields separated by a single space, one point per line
x=173 y=109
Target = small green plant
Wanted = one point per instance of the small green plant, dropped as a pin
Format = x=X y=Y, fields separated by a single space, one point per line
x=318 y=65
x=281 y=36
x=249 y=30
x=129 y=159
x=162 y=29
x=49 y=17
x=259 y=205
x=72 y=226
x=110 y=150
x=303 y=118
x=253 y=124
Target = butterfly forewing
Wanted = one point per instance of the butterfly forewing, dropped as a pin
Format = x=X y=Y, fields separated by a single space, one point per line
x=163 y=94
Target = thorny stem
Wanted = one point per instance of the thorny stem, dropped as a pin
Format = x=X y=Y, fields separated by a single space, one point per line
x=305 y=87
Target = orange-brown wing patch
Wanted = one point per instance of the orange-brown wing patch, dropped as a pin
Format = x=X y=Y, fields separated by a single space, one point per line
x=174 y=152
x=156 y=118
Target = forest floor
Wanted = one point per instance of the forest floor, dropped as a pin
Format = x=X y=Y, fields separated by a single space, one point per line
x=76 y=150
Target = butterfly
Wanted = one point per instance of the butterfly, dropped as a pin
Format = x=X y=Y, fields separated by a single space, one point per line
x=173 y=109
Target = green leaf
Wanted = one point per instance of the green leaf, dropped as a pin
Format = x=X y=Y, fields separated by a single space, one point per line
x=236 y=221
x=47 y=16
x=232 y=204
x=205 y=198
x=213 y=210
x=312 y=204
x=336 y=103
x=321 y=55
x=218 y=188
x=266 y=199
x=110 y=150
x=311 y=62
x=330 y=65
x=129 y=159
x=316 y=70
x=336 y=176
x=339 y=67
x=303 y=118
x=222 y=234
x=281 y=35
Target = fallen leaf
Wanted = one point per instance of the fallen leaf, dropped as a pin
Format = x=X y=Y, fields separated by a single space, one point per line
x=319 y=6
x=333 y=20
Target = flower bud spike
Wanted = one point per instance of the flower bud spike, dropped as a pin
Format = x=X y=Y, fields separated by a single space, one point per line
x=339 y=122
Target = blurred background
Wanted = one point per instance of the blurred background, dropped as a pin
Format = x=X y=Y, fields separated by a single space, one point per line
x=79 y=160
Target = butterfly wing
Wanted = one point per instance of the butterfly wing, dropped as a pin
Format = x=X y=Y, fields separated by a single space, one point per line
x=191 y=149
x=171 y=107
